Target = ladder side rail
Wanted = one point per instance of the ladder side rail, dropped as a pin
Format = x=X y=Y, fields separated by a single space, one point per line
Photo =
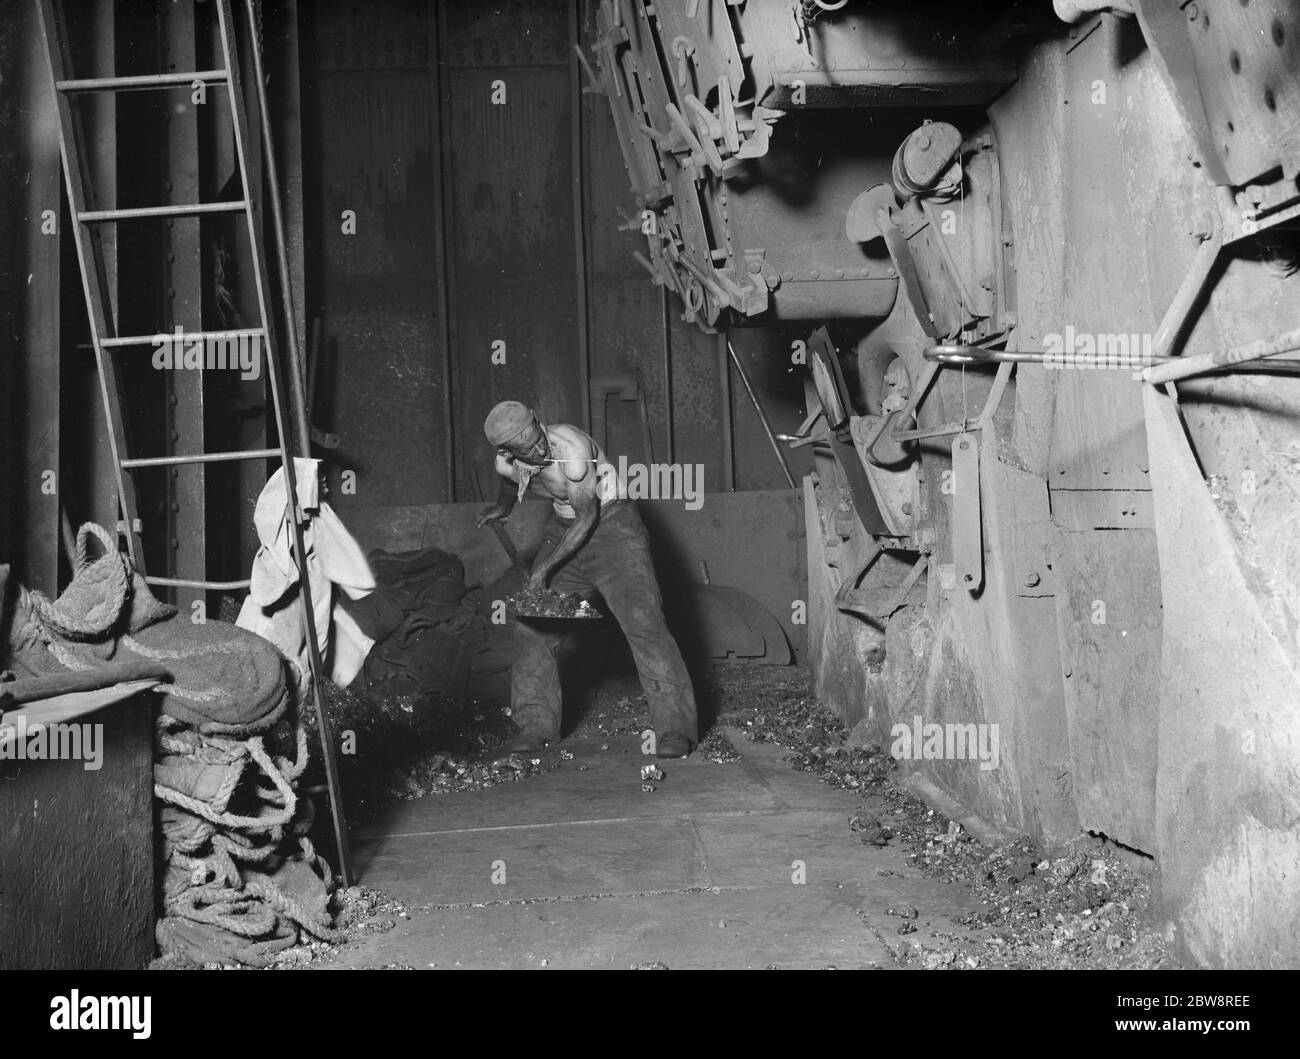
x=91 y=265
x=297 y=370
x=229 y=46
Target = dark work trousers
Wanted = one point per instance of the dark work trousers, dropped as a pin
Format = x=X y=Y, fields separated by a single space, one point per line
x=614 y=561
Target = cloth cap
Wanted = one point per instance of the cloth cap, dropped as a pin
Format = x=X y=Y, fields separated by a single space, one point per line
x=507 y=421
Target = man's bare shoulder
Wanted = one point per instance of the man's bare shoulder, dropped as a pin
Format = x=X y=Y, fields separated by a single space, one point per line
x=575 y=444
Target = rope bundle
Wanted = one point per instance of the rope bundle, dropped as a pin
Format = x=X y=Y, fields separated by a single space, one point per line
x=242 y=881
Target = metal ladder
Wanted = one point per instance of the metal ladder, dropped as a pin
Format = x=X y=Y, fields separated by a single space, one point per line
x=107 y=342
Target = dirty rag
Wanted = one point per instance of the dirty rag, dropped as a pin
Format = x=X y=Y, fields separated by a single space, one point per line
x=334 y=560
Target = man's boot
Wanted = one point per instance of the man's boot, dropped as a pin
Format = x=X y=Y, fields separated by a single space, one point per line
x=536 y=729
x=672 y=744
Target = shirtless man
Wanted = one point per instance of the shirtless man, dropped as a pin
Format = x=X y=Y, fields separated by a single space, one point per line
x=594 y=542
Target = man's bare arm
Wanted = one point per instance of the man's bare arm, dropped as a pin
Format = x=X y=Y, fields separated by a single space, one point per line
x=505 y=504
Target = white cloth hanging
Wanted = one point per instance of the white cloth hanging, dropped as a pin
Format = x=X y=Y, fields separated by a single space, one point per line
x=334 y=559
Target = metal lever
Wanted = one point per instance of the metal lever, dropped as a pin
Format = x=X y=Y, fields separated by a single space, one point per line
x=960 y=353
x=805 y=435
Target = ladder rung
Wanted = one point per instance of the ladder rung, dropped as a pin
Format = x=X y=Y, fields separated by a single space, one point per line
x=211 y=586
x=124 y=84
x=202 y=457
x=187 y=336
x=188 y=209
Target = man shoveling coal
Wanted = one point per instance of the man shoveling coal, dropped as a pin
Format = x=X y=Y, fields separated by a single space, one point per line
x=594 y=541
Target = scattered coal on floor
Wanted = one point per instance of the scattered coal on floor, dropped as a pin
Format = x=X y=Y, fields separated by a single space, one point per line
x=1078 y=906
x=411 y=746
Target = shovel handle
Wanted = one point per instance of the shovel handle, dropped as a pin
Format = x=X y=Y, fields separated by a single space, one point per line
x=509 y=547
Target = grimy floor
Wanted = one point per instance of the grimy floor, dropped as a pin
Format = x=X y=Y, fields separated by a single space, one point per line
x=740 y=864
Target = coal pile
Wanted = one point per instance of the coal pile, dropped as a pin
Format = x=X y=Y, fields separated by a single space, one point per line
x=817 y=738
x=717 y=748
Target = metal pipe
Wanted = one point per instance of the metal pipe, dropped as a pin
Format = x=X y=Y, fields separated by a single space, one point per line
x=442 y=288
x=202 y=457
x=212 y=586
x=298 y=393
x=69 y=539
x=1264 y=347
x=647 y=438
x=762 y=415
x=1171 y=326
x=185 y=336
x=1185 y=367
x=728 y=426
x=126 y=84
x=186 y=209
x=961 y=353
x=668 y=375
x=580 y=210
x=594 y=81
